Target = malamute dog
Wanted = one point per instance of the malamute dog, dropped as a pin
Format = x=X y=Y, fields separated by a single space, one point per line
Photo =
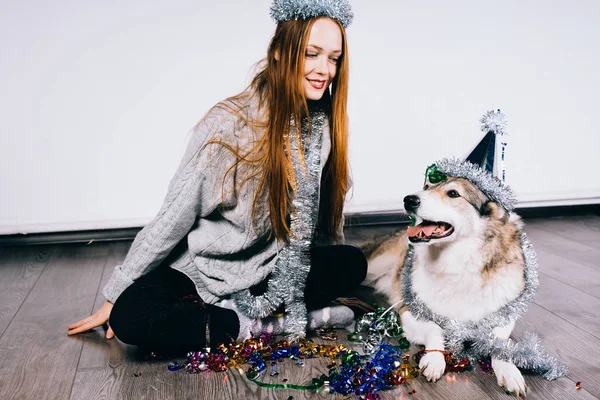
x=467 y=262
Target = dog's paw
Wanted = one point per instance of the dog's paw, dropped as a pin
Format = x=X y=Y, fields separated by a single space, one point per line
x=509 y=377
x=433 y=365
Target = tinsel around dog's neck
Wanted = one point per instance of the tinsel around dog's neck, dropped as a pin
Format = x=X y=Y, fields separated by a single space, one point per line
x=527 y=354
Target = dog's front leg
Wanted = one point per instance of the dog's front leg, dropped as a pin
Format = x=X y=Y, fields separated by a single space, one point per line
x=430 y=334
x=507 y=373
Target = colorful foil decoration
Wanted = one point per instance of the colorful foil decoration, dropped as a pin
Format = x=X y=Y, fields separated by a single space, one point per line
x=372 y=328
x=434 y=175
x=453 y=363
x=382 y=368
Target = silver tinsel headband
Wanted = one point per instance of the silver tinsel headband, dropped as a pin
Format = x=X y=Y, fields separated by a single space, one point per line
x=285 y=10
x=485 y=181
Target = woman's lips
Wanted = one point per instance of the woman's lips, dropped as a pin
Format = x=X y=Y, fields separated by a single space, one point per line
x=317 y=84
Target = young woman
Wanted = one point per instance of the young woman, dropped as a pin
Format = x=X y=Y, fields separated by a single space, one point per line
x=251 y=216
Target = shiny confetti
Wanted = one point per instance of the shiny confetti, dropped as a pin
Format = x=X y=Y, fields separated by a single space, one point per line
x=372 y=328
x=327 y=333
x=453 y=363
x=486 y=366
x=349 y=372
x=406 y=370
x=578 y=386
x=381 y=368
x=152 y=356
x=175 y=366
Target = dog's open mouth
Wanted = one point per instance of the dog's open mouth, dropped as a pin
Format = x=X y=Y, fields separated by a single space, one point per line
x=428 y=230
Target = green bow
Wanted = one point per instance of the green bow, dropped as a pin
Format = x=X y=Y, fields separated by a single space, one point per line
x=434 y=175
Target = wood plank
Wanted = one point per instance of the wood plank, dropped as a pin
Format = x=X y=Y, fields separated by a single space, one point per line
x=39 y=360
x=97 y=351
x=20 y=268
x=564 y=269
x=119 y=380
x=543 y=238
x=572 y=346
x=110 y=368
x=570 y=304
x=584 y=229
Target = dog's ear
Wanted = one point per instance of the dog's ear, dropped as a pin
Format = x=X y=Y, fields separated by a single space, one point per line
x=494 y=211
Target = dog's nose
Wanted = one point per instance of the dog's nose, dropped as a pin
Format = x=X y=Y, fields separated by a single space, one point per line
x=411 y=203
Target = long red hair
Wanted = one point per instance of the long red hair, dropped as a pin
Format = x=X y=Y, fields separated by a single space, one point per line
x=279 y=87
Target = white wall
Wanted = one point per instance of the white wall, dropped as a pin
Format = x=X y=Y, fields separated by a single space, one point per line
x=97 y=98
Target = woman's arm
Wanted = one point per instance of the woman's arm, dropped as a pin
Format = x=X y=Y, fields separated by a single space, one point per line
x=183 y=202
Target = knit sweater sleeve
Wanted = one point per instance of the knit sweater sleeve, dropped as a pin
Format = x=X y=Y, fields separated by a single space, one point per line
x=198 y=172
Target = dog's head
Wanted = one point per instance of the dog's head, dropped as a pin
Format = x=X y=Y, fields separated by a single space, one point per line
x=450 y=210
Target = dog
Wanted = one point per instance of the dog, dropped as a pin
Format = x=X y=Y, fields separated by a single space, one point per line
x=467 y=262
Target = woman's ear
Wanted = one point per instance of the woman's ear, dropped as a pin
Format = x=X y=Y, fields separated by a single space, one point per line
x=276 y=54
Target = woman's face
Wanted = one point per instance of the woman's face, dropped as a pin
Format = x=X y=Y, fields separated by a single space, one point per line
x=321 y=57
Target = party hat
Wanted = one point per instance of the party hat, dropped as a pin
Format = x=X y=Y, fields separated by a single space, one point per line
x=484 y=165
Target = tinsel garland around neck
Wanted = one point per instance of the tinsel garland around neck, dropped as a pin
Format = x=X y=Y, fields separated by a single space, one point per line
x=293 y=263
x=475 y=340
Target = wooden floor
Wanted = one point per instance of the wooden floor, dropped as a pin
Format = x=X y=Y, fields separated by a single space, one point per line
x=44 y=288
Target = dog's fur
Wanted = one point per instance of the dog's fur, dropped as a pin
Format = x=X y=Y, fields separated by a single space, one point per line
x=473 y=271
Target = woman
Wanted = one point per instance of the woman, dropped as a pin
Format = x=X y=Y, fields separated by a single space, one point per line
x=262 y=182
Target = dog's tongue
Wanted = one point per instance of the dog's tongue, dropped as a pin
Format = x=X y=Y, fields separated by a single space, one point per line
x=426 y=227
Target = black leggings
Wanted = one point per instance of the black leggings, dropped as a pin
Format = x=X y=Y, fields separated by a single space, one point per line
x=162 y=312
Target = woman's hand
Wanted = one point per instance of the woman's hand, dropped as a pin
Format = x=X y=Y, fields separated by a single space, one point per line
x=99 y=318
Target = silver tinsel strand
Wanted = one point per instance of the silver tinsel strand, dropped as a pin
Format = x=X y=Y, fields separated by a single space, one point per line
x=285 y=10
x=475 y=340
x=494 y=121
x=288 y=280
x=486 y=182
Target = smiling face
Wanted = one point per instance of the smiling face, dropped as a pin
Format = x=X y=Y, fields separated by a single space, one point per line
x=323 y=51
x=447 y=211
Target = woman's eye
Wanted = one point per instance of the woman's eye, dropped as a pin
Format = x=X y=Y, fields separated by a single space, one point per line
x=310 y=55
x=334 y=60
x=453 y=193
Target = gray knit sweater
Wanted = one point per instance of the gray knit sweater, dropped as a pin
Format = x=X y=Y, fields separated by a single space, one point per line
x=222 y=250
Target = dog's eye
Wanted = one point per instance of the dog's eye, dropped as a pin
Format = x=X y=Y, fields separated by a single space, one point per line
x=425 y=187
x=453 y=193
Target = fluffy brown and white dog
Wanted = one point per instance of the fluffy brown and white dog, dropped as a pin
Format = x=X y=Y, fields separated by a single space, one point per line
x=467 y=263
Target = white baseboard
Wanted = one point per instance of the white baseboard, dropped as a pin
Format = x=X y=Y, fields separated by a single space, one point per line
x=532 y=201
